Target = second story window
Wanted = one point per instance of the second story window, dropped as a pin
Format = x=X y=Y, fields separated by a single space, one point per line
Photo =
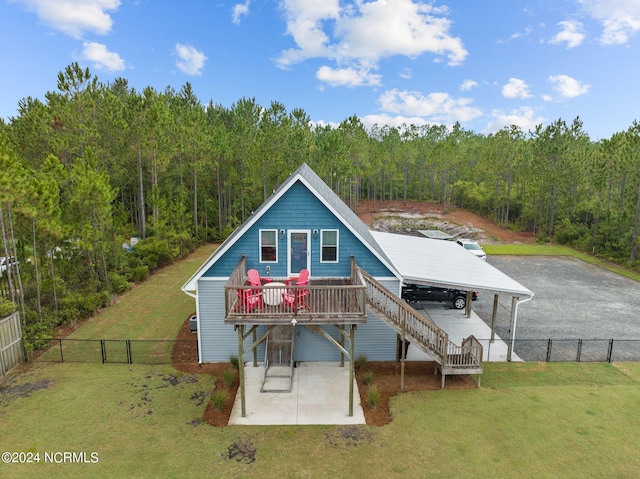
x=329 y=246
x=268 y=246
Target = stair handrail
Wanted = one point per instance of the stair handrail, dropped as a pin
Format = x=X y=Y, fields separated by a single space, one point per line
x=405 y=319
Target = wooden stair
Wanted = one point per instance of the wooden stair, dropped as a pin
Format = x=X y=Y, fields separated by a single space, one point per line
x=421 y=331
x=278 y=360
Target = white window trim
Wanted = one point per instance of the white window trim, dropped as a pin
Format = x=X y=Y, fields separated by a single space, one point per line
x=337 y=260
x=275 y=231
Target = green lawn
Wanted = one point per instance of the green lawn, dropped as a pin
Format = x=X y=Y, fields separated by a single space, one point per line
x=542 y=420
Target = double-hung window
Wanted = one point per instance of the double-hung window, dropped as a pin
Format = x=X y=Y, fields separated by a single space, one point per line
x=268 y=246
x=329 y=246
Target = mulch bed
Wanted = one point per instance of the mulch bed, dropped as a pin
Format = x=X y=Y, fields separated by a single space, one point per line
x=418 y=376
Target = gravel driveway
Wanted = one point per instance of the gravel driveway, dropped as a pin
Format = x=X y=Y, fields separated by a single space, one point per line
x=573 y=300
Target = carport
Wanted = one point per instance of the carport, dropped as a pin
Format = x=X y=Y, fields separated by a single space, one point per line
x=445 y=264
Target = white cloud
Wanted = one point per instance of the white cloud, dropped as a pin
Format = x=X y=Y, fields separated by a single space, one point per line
x=239 y=10
x=571 y=33
x=620 y=18
x=406 y=74
x=359 y=35
x=437 y=107
x=516 y=88
x=468 y=85
x=568 y=87
x=190 y=61
x=347 y=77
x=524 y=117
x=74 y=17
x=102 y=58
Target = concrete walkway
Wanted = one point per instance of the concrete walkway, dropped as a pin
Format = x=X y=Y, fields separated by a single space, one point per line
x=459 y=327
x=319 y=395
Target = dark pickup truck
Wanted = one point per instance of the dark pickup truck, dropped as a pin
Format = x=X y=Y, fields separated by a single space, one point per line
x=413 y=293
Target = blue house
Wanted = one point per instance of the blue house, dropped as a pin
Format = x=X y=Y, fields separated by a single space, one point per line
x=349 y=307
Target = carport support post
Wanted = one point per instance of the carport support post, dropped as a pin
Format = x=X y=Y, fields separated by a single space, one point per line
x=493 y=317
x=241 y=368
x=512 y=327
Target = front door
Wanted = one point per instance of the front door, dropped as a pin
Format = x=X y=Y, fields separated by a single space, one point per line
x=299 y=251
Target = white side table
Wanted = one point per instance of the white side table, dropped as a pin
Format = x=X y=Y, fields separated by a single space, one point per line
x=272 y=293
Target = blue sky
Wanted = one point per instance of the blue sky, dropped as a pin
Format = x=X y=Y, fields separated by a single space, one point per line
x=484 y=63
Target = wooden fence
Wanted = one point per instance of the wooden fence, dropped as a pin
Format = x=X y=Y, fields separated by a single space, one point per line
x=11 y=350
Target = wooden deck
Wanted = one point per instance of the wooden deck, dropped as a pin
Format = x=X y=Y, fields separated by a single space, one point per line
x=330 y=301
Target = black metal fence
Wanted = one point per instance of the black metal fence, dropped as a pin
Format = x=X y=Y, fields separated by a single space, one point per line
x=130 y=351
x=572 y=350
x=124 y=351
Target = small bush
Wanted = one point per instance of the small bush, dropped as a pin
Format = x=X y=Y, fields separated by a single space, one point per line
x=361 y=361
x=218 y=398
x=140 y=273
x=373 y=397
x=234 y=361
x=367 y=377
x=7 y=307
x=118 y=284
x=228 y=375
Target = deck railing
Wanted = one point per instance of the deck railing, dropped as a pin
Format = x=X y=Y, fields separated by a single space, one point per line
x=466 y=355
x=326 y=300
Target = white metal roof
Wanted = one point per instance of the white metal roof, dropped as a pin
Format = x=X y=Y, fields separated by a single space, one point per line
x=444 y=263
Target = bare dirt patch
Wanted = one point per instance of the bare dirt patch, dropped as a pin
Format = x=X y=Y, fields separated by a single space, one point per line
x=398 y=216
x=9 y=391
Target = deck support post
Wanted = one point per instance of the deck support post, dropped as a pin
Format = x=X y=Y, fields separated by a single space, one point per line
x=241 y=368
x=342 y=344
x=352 y=350
x=255 y=351
x=403 y=358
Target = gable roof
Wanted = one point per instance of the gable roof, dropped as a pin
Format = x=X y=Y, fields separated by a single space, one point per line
x=320 y=190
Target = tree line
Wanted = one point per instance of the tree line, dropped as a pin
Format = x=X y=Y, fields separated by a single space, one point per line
x=93 y=165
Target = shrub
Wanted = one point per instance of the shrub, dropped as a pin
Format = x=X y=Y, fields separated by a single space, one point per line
x=373 y=397
x=361 y=361
x=155 y=252
x=367 y=377
x=234 y=361
x=228 y=375
x=118 y=284
x=218 y=398
x=6 y=307
x=140 y=273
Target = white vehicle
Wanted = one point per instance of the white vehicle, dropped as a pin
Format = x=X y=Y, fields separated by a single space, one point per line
x=473 y=248
x=4 y=262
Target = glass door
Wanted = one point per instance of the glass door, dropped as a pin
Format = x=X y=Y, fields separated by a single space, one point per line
x=299 y=251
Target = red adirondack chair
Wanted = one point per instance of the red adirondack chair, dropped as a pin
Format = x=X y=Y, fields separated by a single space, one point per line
x=297 y=297
x=251 y=298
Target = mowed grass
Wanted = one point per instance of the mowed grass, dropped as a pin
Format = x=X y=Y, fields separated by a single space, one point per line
x=154 y=309
x=542 y=420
